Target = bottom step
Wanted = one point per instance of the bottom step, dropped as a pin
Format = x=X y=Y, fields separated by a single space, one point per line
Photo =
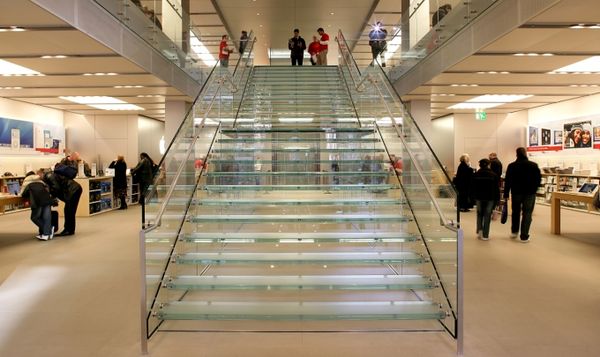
x=296 y=311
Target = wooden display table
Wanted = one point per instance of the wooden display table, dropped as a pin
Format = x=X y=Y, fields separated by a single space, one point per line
x=555 y=206
x=9 y=200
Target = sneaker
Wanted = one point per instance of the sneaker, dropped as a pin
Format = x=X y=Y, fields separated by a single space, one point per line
x=513 y=235
x=524 y=240
x=52 y=232
x=43 y=237
x=39 y=236
x=485 y=238
x=479 y=234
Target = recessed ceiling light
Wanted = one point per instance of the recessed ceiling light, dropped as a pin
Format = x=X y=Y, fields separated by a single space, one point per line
x=11 y=87
x=260 y=26
x=149 y=96
x=12 y=28
x=54 y=56
x=489 y=101
x=8 y=69
x=332 y=13
x=102 y=102
x=128 y=86
x=464 y=85
x=589 y=65
x=258 y=14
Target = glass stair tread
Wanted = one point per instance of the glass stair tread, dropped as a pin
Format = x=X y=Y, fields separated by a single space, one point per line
x=298 y=162
x=276 y=218
x=297 y=129
x=297 y=282
x=301 y=311
x=308 y=140
x=296 y=173
x=296 y=258
x=298 y=149
x=332 y=187
x=348 y=237
x=302 y=202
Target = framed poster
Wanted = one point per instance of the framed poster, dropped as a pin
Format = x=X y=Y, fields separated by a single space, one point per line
x=558 y=137
x=597 y=133
x=533 y=136
x=578 y=135
x=546 y=137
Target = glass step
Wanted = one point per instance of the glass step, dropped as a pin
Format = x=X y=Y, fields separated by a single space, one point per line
x=298 y=282
x=296 y=162
x=301 y=140
x=297 y=129
x=305 y=202
x=296 y=258
x=301 y=311
x=297 y=174
x=291 y=238
x=345 y=187
x=298 y=149
x=294 y=218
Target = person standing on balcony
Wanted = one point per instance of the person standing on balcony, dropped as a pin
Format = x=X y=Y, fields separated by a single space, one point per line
x=243 y=42
x=224 y=52
x=313 y=49
x=377 y=42
x=297 y=45
x=523 y=177
x=324 y=47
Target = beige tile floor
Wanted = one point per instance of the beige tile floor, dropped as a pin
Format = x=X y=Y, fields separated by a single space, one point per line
x=78 y=296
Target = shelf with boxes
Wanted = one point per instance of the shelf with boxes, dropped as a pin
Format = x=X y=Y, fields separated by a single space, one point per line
x=9 y=189
x=97 y=196
x=564 y=180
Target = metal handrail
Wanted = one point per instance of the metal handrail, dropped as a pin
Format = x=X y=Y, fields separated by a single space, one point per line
x=446 y=222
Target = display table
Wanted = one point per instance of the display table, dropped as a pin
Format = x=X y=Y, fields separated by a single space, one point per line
x=555 y=206
x=9 y=200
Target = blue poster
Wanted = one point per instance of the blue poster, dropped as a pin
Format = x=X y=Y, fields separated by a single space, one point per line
x=23 y=128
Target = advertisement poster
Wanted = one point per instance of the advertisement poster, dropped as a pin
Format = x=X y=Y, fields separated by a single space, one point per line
x=23 y=137
x=575 y=134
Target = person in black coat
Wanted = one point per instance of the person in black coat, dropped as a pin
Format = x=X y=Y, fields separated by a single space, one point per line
x=495 y=164
x=68 y=191
x=486 y=193
x=523 y=177
x=462 y=181
x=143 y=173
x=120 y=180
x=297 y=45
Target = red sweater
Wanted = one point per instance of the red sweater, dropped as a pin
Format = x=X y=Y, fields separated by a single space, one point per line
x=314 y=48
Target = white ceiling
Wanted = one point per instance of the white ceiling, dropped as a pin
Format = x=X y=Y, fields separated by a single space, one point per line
x=548 y=32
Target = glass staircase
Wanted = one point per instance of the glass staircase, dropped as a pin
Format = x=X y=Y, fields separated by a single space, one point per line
x=280 y=210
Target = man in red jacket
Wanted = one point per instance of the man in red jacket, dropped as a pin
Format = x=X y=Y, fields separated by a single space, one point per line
x=313 y=49
x=224 y=51
x=324 y=46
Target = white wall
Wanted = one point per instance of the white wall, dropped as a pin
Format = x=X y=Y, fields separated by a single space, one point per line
x=150 y=131
x=28 y=112
x=100 y=138
x=172 y=24
x=442 y=142
x=500 y=133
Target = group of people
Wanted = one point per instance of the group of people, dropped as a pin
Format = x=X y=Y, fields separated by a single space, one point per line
x=44 y=188
x=482 y=187
x=317 y=49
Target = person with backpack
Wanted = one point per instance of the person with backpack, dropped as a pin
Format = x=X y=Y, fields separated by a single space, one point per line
x=144 y=172
x=378 y=43
x=40 y=201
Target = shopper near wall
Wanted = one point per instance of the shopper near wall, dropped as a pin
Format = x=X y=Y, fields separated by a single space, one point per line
x=243 y=42
x=67 y=190
x=297 y=45
x=324 y=47
x=120 y=180
x=486 y=194
x=73 y=160
x=462 y=181
x=523 y=177
x=40 y=201
x=224 y=52
x=313 y=49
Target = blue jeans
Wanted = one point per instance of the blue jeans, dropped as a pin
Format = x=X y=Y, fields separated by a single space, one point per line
x=525 y=204
x=484 y=216
x=42 y=218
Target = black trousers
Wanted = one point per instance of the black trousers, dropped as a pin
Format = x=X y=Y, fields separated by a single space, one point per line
x=71 y=210
x=297 y=59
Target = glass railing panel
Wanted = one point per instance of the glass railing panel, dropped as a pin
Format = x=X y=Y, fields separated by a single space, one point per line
x=424 y=181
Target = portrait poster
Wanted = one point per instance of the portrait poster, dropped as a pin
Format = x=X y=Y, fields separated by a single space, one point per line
x=533 y=136
x=546 y=136
x=577 y=135
x=597 y=134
